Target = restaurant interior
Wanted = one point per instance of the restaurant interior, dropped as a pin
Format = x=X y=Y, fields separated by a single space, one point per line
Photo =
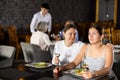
x=16 y=16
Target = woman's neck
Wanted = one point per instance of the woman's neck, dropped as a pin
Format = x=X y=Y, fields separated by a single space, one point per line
x=97 y=45
x=67 y=43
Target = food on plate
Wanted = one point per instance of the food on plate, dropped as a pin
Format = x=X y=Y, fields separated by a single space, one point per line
x=41 y=64
x=79 y=71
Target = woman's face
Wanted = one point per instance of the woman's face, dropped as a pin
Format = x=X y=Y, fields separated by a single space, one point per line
x=94 y=36
x=69 y=35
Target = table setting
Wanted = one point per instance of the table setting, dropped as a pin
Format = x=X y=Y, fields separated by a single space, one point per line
x=43 y=70
x=40 y=66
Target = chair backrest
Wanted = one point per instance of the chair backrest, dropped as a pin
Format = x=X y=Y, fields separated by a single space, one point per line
x=13 y=37
x=115 y=37
x=27 y=38
x=8 y=52
x=33 y=53
x=2 y=35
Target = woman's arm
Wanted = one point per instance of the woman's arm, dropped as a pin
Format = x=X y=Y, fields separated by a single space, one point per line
x=67 y=67
x=75 y=62
x=88 y=74
x=107 y=67
x=100 y=72
x=109 y=57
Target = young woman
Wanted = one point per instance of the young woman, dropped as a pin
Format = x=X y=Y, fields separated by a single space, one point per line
x=67 y=48
x=97 y=56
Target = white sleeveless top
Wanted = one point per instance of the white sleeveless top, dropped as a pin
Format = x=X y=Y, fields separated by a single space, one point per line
x=95 y=64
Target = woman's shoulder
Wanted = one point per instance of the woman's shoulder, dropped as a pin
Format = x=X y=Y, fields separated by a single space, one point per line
x=79 y=43
x=59 y=42
x=85 y=46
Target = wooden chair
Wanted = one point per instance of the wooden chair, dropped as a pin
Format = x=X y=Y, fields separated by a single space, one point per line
x=116 y=37
x=13 y=39
x=107 y=34
x=2 y=35
x=56 y=28
x=27 y=38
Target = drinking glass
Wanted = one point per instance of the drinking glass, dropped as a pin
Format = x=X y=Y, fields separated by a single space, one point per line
x=85 y=66
x=57 y=55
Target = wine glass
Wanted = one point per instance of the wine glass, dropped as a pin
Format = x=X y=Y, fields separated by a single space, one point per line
x=85 y=66
x=57 y=55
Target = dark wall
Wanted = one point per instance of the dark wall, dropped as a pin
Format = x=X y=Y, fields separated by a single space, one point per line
x=20 y=12
x=118 y=15
x=106 y=10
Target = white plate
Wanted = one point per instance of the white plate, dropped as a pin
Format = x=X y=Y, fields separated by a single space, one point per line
x=37 y=66
x=73 y=73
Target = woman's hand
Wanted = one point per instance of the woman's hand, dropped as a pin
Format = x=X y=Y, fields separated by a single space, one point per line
x=87 y=74
x=110 y=45
x=56 y=60
x=56 y=70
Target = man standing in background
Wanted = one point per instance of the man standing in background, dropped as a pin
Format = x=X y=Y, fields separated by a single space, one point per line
x=42 y=16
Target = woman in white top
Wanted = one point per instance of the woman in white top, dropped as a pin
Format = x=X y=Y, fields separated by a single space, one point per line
x=97 y=56
x=67 y=48
x=40 y=37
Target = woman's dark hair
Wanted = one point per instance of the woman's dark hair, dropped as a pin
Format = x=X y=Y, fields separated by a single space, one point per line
x=68 y=27
x=98 y=28
x=70 y=21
